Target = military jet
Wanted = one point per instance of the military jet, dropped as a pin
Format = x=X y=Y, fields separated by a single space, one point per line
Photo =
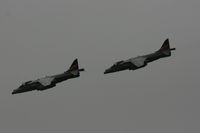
x=141 y=61
x=50 y=81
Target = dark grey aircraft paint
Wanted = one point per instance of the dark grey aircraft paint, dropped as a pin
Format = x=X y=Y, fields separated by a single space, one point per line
x=141 y=61
x=50 y=81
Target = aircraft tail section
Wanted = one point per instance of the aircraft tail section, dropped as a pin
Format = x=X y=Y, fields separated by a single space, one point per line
x=74 y=68
x=165 y=49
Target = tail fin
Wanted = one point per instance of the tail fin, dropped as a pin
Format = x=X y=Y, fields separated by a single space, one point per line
x=165 y=45
x=74 y=68
x=165 y=49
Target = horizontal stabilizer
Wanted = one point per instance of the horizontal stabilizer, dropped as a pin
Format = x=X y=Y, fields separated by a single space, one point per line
x=81 y=70
x=173 y=49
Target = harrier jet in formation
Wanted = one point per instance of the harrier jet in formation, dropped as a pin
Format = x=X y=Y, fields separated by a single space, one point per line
x=141 y=61
x=74 y=71
x=50 y=81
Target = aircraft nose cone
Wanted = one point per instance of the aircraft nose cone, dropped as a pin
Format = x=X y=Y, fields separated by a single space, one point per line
x=14 y=92
x=107 y=71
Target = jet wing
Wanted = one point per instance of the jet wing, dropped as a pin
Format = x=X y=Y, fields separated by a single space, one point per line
x=45 y=81
x=139 y=61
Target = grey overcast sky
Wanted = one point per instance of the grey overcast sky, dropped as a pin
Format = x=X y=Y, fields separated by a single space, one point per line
x=43 y=37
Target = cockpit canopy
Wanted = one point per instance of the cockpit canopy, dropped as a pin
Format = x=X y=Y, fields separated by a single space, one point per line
x=26 y=83
x=117 y=63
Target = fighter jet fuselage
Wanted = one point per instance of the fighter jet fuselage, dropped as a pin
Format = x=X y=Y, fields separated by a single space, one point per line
x=50 y=81
x=141 y=61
